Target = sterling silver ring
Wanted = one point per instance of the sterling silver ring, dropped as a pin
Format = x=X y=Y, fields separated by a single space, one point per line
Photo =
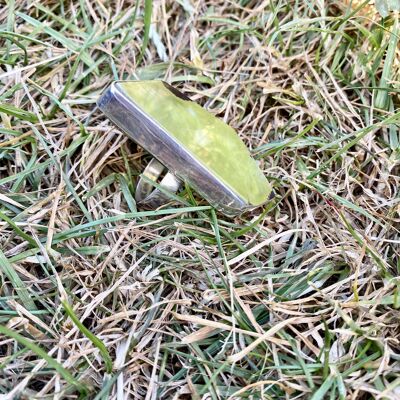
x=193 y=144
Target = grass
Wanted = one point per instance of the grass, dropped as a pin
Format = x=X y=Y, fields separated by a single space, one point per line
x=297 y=300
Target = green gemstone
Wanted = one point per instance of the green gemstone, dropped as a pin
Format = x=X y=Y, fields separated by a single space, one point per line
x=210 y=140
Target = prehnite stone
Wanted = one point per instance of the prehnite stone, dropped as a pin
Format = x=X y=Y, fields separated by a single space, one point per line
x=210 y=140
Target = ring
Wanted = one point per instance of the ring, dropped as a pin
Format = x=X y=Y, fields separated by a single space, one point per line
x=193 y=144
x=146 y=194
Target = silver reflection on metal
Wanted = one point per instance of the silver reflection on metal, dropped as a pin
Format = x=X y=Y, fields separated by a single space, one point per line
x=155 y=139
x=149 y=196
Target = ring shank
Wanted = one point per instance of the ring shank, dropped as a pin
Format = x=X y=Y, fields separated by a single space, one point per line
x=146 y=194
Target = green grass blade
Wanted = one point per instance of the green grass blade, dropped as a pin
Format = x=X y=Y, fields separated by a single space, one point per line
x=18 y=112
x=58 y=36
x=382 y=97
x=16 y=282
x=95 y=340
x=148 y=10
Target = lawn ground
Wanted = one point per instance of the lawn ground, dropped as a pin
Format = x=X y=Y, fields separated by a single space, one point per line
x=296 y=300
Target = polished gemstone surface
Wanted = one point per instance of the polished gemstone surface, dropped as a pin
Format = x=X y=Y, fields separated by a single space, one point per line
x=210 y=140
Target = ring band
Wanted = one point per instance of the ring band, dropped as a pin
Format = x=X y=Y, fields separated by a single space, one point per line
x=147 y=194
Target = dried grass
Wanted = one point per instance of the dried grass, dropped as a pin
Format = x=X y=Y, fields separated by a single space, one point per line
x=302 y=302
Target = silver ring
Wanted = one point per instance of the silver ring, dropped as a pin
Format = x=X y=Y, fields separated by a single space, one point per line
x=146 y=194
x=189 y=141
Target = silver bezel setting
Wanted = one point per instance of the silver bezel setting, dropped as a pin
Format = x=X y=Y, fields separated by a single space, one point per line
x=152 y=137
